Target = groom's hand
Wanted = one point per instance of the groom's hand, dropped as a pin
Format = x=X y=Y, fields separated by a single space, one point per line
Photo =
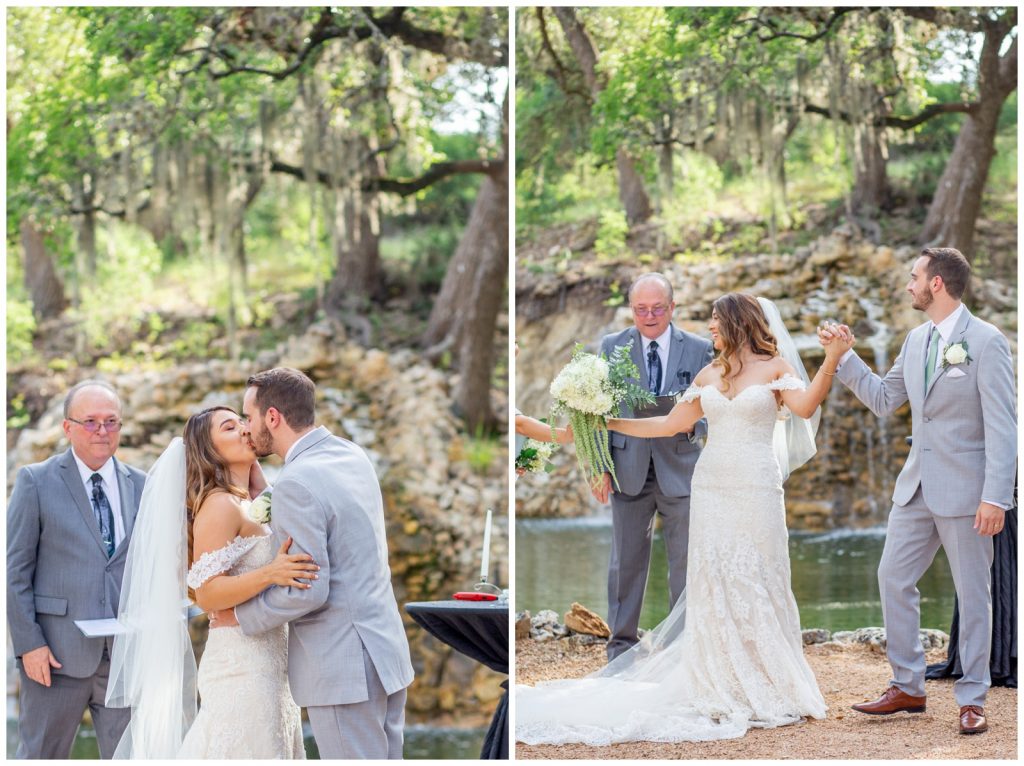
x=601 y=488
x=989 y=519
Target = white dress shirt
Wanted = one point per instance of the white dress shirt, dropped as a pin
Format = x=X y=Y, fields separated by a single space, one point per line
x=663 y=340
x=108 y=474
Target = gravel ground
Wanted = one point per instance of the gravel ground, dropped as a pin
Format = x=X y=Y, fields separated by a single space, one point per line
x=846 y=674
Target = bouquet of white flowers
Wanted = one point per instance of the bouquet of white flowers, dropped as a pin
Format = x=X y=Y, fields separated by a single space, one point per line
x=534 y=456
x=590 y=389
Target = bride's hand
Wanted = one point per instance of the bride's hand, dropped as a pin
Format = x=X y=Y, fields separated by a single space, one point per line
x=841 y=341
x=291 y=569
x=257 y=481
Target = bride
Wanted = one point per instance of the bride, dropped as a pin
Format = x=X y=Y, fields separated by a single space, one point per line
x=729 y=656
x=192 y=514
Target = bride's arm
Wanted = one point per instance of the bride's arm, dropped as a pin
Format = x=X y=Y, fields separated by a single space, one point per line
x=681 y=418
x=540 y=431
x=804 y=403
x=218 y=523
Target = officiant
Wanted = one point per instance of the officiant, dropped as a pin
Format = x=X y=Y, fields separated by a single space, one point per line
x=69 y=521
x=653 y=474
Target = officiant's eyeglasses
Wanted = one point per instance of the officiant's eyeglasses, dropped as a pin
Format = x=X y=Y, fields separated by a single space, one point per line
x=112 y=426
x=657 y=311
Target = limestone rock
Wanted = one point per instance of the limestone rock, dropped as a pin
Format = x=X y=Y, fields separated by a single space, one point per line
x=522 y=625
x=815 y=636
x=579 y=619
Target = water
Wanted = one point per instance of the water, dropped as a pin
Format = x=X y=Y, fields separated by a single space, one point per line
x=421 y=742
x=834 y=575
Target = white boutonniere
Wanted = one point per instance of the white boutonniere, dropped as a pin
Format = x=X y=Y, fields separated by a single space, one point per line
x=259 y=509
x=956 y=354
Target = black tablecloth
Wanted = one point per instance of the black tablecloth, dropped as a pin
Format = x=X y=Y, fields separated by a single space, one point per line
x=478 y=629
x=1003 y=663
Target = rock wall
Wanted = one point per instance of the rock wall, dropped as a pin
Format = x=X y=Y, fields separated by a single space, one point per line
x=398 y=408
x=849 y=482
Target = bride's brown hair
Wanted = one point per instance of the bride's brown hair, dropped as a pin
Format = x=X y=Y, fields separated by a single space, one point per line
x=741 y=324
x=205 y=470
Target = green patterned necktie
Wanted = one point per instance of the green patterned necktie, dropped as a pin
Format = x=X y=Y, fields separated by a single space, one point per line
x=933 y=350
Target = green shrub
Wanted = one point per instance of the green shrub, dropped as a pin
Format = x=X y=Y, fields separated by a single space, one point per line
x=611 y=234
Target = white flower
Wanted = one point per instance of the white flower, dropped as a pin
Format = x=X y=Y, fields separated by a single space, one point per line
x=955 y=354
x=583 y=385
x=259 y=509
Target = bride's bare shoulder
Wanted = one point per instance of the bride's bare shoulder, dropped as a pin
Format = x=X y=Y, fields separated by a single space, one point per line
x=707 y=376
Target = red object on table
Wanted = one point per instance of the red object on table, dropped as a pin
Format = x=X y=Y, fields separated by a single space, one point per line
x=463 y=595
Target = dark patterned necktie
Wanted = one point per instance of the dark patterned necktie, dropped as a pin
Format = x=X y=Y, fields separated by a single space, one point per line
x=104 y=514
x=654 y=368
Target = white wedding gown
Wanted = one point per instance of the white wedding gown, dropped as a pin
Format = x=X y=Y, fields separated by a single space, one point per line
x=729 y=656
x=246 y=708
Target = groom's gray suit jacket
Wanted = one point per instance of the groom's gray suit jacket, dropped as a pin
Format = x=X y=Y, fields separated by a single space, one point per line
x=674 y=456
x=57 y=565
x=964 y=427
x=328 y=500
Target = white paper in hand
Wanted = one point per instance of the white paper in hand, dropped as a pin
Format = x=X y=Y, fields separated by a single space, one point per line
x=108 y=626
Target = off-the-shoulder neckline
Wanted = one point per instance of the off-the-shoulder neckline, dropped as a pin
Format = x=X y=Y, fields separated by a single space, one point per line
x=746 y=388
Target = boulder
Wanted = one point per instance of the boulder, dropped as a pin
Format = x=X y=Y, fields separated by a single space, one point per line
x=579 y=619
x=522 y=625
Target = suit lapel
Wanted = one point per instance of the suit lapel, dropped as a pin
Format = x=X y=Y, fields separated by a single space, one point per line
x=636 y=353
x=129 y=509
x=956 y=337
x=675 y=355
x=73 y=480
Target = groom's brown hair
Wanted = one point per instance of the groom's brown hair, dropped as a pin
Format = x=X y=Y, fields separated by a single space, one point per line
x=950 y=264
x=289 y=392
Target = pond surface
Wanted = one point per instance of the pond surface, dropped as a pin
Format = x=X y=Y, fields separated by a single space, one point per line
x=835 y=581
x=421 y=742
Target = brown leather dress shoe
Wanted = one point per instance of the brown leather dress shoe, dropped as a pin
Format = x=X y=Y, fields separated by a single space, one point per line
x=972 y=720
x=895 y=700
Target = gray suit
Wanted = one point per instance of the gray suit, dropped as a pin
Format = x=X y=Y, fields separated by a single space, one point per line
x=58 y=572
x=964 y=451
x=654 y=478
x=348 y=657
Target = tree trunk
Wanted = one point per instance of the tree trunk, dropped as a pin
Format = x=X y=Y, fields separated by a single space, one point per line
x=487 y=237
x=357 y=272
x=954 y=209
x=632 y=194
x=871 y=190
x=41 y=279
x=83 y=197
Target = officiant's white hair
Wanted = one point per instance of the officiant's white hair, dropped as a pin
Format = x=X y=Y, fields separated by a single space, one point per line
x=658 y=277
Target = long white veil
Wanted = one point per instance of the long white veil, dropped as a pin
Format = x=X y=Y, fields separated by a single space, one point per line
x=794 y=437
x=153 y=668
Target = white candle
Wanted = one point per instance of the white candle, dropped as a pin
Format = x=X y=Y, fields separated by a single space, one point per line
x=487 y=547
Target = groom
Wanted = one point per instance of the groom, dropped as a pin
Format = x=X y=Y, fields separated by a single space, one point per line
x=957 y=373
x=654 y=474
x=348 y=658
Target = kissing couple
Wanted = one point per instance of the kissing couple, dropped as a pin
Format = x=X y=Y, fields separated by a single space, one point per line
x=729 y=656
x=296 y=581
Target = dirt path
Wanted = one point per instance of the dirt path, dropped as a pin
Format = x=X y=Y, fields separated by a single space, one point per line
x=846 y=675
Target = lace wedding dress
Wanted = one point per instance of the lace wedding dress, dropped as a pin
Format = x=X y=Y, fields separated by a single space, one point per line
x=729 y=656
x=246 y=708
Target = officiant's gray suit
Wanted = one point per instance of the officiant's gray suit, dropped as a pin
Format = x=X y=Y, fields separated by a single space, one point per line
x=348 y=658
x=654 y=478
x=964 y=451
x=58 y=572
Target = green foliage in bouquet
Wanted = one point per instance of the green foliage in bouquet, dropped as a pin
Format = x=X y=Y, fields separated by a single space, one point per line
x=589 y=390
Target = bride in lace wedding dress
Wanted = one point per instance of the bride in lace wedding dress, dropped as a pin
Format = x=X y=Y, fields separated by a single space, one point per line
x=729 y=656
x=193 y=510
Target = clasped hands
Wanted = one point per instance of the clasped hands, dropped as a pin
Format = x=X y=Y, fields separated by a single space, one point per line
x=835 y=338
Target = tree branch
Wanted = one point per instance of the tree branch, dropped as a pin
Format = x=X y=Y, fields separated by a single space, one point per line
x=775 y=33
x=402 y=187
x=903 y=123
